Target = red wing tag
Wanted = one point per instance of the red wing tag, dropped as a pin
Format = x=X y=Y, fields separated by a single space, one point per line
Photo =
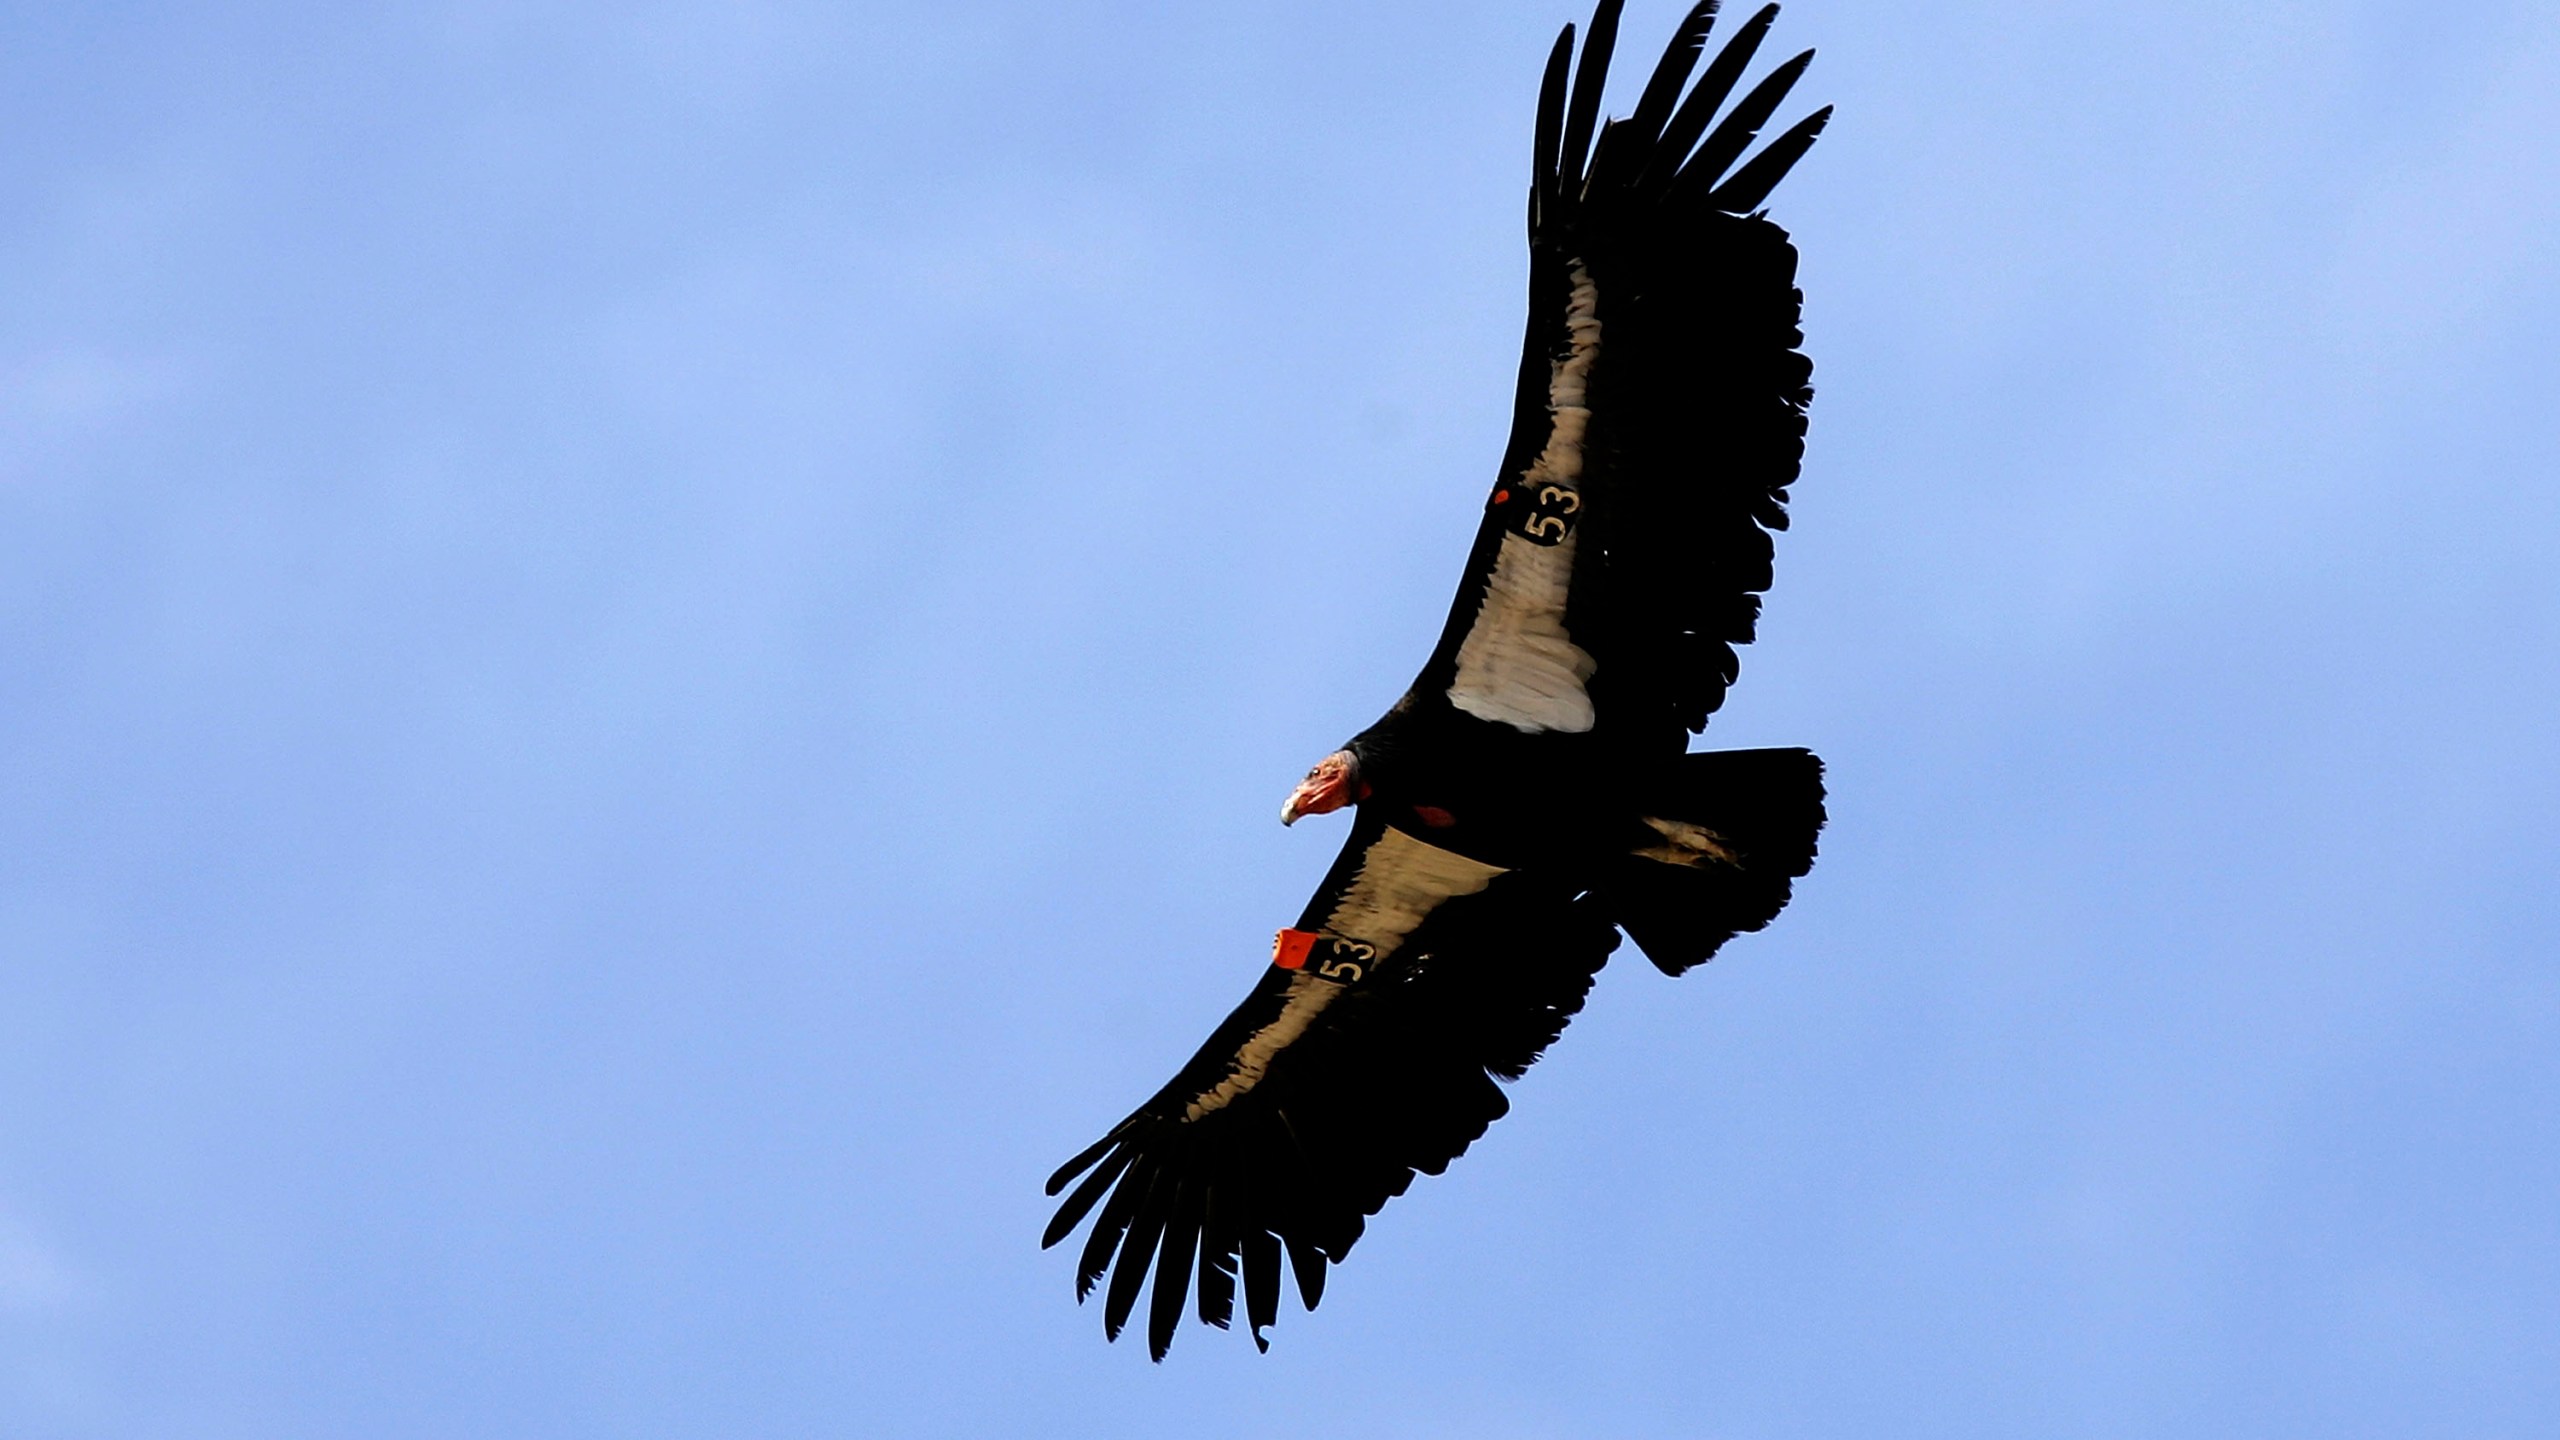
x=1341 y=961
x=1289 y=948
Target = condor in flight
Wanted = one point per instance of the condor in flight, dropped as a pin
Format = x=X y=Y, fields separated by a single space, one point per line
x=1532 y=794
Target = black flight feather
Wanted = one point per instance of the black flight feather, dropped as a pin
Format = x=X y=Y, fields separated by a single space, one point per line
x=1589 y=78
x=1703 y=102
x=1173 y=1270
x=1108 y=1227
x=1663 y=90
x=1261 y=1265
x=1550 y=135
x=1137 y=1248
x=1064 y=1173
x=1074 y=1207
x=1736 y=131
x=1743 y=193
x=1626 y=146
x=1307 y=1264
x=1217 y=1257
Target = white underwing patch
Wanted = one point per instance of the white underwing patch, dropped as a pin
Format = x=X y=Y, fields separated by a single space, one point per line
x=1401 y=881
x=1306 y=999
x=1518 y=664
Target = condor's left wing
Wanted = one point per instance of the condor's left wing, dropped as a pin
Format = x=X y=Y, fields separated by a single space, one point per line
x=1660 y=415
x=1367 y=1053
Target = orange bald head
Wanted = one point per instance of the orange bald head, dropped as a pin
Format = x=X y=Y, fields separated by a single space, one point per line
x=1334 y=783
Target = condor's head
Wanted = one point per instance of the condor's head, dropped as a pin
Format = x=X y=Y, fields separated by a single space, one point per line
x=1334 y=783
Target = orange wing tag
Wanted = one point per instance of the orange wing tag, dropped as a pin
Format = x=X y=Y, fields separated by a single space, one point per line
x=1290 y=948
x=1344 y=962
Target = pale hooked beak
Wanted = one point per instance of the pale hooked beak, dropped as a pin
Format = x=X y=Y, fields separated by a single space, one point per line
x=1328 y=787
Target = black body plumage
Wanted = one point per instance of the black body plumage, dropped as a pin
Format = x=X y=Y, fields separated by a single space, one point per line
x=1531 y=795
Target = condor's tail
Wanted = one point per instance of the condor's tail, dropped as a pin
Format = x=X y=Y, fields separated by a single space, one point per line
x=1720 y=851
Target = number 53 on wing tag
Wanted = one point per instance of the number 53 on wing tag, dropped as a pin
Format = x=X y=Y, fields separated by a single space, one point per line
x=1541 y=513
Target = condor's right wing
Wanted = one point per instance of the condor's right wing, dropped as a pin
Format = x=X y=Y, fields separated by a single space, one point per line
x=1415 y=979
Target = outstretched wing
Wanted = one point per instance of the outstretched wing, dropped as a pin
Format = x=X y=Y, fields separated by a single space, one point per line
x=1414 y=979
x=1661 y=407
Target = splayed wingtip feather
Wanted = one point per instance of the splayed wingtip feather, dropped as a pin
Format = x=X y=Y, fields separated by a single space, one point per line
x=1074 y=1207
x=1751 y=185
x=1590 y=78
x=1736 y=131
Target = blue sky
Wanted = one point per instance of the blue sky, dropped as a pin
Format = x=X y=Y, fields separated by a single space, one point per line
x=648 y=652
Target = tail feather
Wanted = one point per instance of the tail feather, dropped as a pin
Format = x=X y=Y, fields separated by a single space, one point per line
x=1723 y=846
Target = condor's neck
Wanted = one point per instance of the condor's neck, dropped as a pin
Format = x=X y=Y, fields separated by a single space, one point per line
x=1407 y=745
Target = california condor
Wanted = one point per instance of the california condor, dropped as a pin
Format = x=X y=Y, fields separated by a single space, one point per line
x=1532 y=795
